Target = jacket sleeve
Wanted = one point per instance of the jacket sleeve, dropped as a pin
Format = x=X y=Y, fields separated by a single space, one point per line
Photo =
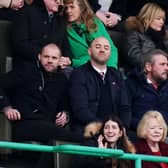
x=23 y=44
x=79 y=98
x=8 y=82
x=124 y=107
x=134 y=49
x=5 y=3
x=64 y=100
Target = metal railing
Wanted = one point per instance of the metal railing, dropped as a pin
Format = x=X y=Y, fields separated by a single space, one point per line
x=85 y=150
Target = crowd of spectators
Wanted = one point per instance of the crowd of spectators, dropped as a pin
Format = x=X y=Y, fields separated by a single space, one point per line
x=66 y=82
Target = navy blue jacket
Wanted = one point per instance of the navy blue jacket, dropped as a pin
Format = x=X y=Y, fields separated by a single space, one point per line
x=85 y=96
x=144 y=97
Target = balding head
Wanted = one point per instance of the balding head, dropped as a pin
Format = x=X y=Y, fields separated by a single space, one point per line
x=100 y=50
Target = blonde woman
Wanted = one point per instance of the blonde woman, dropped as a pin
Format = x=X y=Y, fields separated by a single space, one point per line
x=146 y=32
x=152 y=131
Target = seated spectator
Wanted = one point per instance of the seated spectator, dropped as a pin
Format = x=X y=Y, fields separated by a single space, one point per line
x=83 y=28
x=14 y=4
x=36 y=25
x=148 y=86
x=152 y=131
x=96 y=90
x=38 y=103
x=111 y=12
x=146 y=32
x=133 y=7
x=108 y=134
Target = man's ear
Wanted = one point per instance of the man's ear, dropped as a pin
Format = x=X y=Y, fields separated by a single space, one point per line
x=148 y=67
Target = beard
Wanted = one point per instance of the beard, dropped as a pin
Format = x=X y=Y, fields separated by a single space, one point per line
x=160 y=78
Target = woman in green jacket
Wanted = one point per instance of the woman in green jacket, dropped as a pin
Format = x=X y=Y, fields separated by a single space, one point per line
x=83 y=27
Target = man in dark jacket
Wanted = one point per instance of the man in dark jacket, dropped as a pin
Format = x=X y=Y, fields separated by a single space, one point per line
x=38 y=102
x=148 y=88
x=36 y=25
x=96 y=90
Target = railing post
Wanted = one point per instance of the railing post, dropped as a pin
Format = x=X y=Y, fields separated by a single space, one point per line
x=138 y=163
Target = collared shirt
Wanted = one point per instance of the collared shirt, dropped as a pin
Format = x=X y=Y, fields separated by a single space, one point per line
x=100 y=71
x=153 y=84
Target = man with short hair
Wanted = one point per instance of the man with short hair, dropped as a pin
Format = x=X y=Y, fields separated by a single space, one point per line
x=97 y=91
x=148 y=87
x=39 y=99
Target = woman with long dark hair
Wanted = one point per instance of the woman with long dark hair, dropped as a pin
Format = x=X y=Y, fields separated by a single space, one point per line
x=108 y=134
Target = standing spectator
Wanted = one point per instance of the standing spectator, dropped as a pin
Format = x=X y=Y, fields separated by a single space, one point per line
x=36 y=25
x=148 y=87
x=83 y=28
x=152 y=131
x=14 y=4
x=110 y=134
x=146 y=32
x=110 y=12
x=97 y=91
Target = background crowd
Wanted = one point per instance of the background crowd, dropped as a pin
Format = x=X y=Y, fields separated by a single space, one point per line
x=71 y=81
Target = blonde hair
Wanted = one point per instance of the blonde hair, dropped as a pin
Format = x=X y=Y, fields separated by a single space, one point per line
x=141 y=129
x=149 y=12
x=87 y=15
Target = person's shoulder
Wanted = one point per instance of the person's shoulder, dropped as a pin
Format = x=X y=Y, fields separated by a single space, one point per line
x=114 y=72
x=80 y=72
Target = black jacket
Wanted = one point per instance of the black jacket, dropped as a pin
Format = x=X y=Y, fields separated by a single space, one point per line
x=85 y=96
x=32 y=30
x=34 y=92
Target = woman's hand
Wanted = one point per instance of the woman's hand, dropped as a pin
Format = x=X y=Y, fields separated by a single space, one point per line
x=100 y=142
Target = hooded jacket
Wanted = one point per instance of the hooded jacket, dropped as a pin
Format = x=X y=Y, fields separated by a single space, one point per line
x=35 y=93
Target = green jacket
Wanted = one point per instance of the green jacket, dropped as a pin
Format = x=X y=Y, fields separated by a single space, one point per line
x=79 y=46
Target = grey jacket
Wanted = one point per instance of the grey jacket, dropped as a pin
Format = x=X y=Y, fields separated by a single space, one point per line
x=138 y=43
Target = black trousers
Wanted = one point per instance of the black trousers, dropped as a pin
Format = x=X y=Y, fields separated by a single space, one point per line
x=44 y=131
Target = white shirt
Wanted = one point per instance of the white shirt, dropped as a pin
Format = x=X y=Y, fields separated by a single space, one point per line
x=105 y=5
x=99 y=71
